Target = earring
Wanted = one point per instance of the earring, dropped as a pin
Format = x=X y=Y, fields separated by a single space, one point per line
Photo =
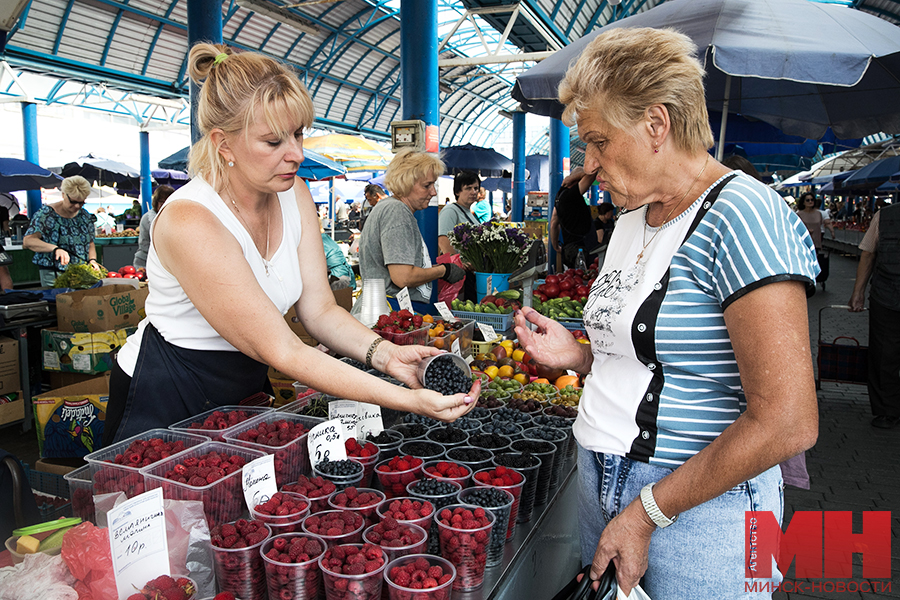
x=230 y=163
x=656 y=149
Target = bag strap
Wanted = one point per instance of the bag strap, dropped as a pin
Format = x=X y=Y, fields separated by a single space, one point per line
x=17 y=489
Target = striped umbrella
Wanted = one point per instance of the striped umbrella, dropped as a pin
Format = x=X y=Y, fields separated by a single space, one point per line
x=353 y=152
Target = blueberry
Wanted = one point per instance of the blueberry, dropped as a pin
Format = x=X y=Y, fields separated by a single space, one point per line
x=445 y=377
x=339 y=468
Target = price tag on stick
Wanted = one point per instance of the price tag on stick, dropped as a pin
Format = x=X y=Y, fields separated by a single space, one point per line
x=445 y=312
x=137 y=539
x=258 y=479
x=348 y=413
x=403 y=300
x=326 y=440
x=487 y=332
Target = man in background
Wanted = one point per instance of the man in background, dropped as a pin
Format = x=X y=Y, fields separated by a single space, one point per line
x=373 y=194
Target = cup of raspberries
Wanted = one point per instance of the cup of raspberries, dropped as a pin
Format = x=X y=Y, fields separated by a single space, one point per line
x=367 y=454
x=446 y=470
x=408 y=510
x=292 y=565
x=353 y=572
x=465 y=534
x=317 y=489
x=282 y=512
x=236 y=558
x=396 y=473
x=420 y=577
x=499 y=502
x=529 y=466
x=165 y=587
x=360 y=500
x=335 y=526
x=505 y=479
x=396 y=539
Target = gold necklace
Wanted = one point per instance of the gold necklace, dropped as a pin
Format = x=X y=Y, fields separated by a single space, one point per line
x=666 y=219
x=247 y=227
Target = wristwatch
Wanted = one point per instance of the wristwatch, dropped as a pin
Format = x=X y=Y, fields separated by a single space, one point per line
x=652 y=508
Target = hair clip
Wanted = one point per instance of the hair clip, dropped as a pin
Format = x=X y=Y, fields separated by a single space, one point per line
x=220 y=58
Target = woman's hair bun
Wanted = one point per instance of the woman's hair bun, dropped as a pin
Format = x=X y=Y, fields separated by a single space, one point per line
x=202 y=59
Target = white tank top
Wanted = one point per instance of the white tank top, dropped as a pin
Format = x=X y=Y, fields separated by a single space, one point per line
x=172 y=312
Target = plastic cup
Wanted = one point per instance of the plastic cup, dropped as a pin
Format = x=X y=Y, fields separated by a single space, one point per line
x=340 y=586
x=422 y=521
x=546 y=451
x=389 y=449
x=514 y=489
x=494 y=444
x=459 y=361
x=570 y=421
x=368 y=463
x=349 y=537
x=299 y=580
x=439 y=502
x=561 y=441
x=241 y=571
x=526 y=500
x=284 y=523
x=441 y=592
x=460 y=455
x=436 y=433
x=370 y=517
x=462 y=481
x=423 y=449
x=392 y=552
x=466 y=549
x=498 y=533
x=318 y=498
x=487 y=427
x=394 y=483
x=343 y=481
x=410 y=432
x=479 y=414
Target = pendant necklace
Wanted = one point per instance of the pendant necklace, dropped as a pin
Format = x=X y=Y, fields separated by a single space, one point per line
x=666 y=219
x=247 y=227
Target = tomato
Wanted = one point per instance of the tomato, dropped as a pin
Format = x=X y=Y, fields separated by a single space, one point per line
x=582 y=290
x=551 y=290
x=112 y=275
x=127 y=269
x=566 y=284
x=552 y=279
x=129 y=276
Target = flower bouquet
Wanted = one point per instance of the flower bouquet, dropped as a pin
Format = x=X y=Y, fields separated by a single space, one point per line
x=491 y=247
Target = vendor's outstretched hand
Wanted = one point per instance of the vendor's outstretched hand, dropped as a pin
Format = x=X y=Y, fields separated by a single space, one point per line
x=401 y=362
x=446 y=408
x=551 y=344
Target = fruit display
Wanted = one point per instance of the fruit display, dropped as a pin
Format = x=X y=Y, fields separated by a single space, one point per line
x=546 y=389
x=238 y=564
x=129 y=232
x=282 y=435
x=572 y=283
x=505 y=479
x=420 y=578
x=282 y=512
x=353 y=572
x=342 y=473
x=503 y=385
x=444 y=376
x=501 y=303
x=165 y=587
x=498 y=502
x=395 y=538
x=528 y=465
x=128 y=272
x=403 y=327
x=292 y=565
x=317 y=489
x=465 y=535
x=218 y=422
x=360 y=500
x=395 y=474
x=408 y=510
x=568 y=396
x=335 y=526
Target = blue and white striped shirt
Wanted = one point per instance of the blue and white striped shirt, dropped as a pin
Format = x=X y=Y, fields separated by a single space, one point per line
x=665 y=381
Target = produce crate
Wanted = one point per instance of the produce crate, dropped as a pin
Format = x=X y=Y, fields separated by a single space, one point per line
x=81 y=491
x=572 y=324
x=292 y=458
x=108 y=476
x=498 y=322
x=217 y=435
x=464 y=335
x=50 y=484
x=485 y=347
x=223 y=500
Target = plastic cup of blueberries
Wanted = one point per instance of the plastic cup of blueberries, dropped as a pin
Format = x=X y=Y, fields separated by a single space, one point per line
x=424 y=375
x=517 y=461
x=300 y=580
x=511 y=430
x=354 y=469
x=388 y=442
x=448 y=436
x=500 y=502
x=546 y=451
x=515 y=489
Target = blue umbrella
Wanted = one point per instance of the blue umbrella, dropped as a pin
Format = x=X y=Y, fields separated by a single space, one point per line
x=16 y=174
x=102 y=170
x=800 y=66
x=316 y=167
x=177 y=161
x=484 y=161
x=874 y=173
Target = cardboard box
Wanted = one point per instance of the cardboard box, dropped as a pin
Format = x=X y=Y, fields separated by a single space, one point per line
x=70 y=419
x=101 y=309
x=58 y=379
x=344 y=299
x=89 y=353
x=9 y=365
x=13 y=411
x=58 y=466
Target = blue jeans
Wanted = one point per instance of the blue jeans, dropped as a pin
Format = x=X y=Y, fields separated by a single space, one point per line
x=701 y=556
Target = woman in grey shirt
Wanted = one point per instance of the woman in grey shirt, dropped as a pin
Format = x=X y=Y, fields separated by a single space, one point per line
x=159 y=197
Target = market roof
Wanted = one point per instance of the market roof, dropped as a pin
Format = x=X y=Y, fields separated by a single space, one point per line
x=347 y=51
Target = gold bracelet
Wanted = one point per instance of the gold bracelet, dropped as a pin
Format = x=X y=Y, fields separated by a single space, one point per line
x=371 y=353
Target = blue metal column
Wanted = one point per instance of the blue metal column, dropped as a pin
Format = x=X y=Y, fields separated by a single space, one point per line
x=518 y=183
x=419 y=84
x=30 y=133
x=595 y=194
x=204 y=25
x=559 y=150
x=146 y=188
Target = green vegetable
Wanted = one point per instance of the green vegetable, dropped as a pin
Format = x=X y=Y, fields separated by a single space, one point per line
x=79 y=277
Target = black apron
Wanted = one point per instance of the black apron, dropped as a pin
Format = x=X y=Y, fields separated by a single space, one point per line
x=170 y=384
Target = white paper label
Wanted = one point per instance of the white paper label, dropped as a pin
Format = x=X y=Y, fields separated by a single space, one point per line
x=369 y=420
x=403 y=300
x=258 y=478
x=348 y=413
x=81 y=362
x=137 y=539
x=490 y=284
x=445 y=312
x=51 y=361
x=326 y=440
x=487 y=331
x=454 y=347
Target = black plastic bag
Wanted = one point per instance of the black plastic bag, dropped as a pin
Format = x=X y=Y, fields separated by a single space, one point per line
x=575 y=590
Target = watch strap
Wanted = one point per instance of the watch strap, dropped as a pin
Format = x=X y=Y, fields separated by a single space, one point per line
x=653 y=510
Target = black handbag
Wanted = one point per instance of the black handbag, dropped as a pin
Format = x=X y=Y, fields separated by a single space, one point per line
x=575 y=590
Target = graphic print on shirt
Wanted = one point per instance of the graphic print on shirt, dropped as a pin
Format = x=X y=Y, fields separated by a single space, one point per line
x=606 y=302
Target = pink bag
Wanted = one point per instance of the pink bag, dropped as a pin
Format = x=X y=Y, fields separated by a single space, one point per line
x=447 y=292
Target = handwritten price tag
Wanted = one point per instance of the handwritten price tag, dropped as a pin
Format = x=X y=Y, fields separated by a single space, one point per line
x=487 y=332
x=348 y=413
x=454 y=347
x=403 y=300
x=490 y=284
x=137 y=539
x=369 y=420
x=445 y=312
x=258 y=478
x=326 y=440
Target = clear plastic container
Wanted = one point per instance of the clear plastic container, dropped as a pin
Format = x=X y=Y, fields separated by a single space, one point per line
x=291 y=458
x=108 y=476
x=439 y=501
x=437 y=432
x=480 y=441
x=561 y=442
x=343 y=481
x=463 y=481
x=394 y=483
x=351 y=536
x=338 y=585
x=241 y=571
x=297 y=580
x=526 y=500
x=466 y=549
x=419 y=535
x=410 y=338
x=223 y=500
x=410 y=432
x=423 y=521
x=368 y=463
x=318 y=498
x=546 y=451
x=457 y=456
x=423 y=449
x=463 y=336
x=218 y=435
x=441 y=592
x=514 y=489
x=487 y=426
x=391 y=448
x=498 y=533
x=81 y=493
x=288 y=523
x=370 y=517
